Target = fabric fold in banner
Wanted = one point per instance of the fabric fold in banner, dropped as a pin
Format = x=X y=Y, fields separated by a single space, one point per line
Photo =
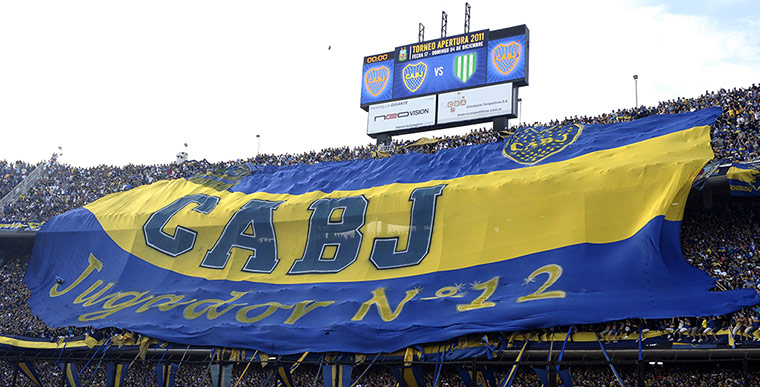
x=554 y=226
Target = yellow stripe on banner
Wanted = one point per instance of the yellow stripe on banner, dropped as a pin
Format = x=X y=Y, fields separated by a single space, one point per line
x=409 y=377
x=28 y=373
x=117 y=376
x=600 y=197
x=283 y=376
x=21 y=343
x=70 y=375
x=298 y=362
x=519 y=356
x=746 y=175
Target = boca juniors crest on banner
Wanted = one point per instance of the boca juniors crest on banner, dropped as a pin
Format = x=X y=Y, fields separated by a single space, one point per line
x=554 y=226
x=529 y=146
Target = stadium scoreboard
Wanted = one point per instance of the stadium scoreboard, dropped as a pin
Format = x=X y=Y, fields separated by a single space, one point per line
x=456 y=80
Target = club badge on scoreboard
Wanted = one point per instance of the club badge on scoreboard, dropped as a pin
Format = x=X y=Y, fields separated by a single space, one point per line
x=402 y=55
x=506 y=56
x=464 y=66
x=414 y=75
x=375 y=80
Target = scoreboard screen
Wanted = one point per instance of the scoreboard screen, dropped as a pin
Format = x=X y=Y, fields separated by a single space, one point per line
x=453 y=63
x=440 y=65
x=377 y=78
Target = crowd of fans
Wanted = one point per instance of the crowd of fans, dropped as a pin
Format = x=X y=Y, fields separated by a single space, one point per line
x=12 y=174
x=735 y=138
x=722 y=241
x=142 y=373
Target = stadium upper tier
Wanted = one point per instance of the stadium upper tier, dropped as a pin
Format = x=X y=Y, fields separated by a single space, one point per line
x=721 y=241
x=735 y=137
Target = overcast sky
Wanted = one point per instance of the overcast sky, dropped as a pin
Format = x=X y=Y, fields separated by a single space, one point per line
x=132 y=81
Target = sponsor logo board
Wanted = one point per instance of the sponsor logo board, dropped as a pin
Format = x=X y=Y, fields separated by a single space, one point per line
x=471 y=104
x=400 y=115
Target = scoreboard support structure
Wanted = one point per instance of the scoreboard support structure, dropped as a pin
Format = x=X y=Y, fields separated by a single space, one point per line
x=466 y=18
x=384 y=139
x=500 y=123
x=444 y=23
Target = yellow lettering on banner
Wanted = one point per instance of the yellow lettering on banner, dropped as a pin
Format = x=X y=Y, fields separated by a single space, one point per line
x=211 y=310
x=380 y=300
x=86 y=300
x=242 y=314
x=446 y=291
x=110 y=307
x=741 y=188
x=93 y=264
x=554 y=271
x=304 y=307
x=171 y=303
x=488 y=288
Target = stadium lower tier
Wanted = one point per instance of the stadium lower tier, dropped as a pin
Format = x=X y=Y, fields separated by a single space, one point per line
x=580 y=358
x=107 y=371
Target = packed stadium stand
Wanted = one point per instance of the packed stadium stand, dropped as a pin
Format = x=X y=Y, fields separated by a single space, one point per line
x=720 y=235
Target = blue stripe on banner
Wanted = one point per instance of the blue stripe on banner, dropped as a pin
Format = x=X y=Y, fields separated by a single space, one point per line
x=667 y=288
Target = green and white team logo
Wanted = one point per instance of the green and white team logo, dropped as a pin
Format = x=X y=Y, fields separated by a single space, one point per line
x=464 y=66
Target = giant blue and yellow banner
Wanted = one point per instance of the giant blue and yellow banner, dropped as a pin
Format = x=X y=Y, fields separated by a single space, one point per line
x=744 y=179
x=553 y=226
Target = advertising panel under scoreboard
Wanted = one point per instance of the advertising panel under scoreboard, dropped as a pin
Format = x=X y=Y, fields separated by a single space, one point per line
x=401 y=115
x=448 y=64
x=473 y=104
